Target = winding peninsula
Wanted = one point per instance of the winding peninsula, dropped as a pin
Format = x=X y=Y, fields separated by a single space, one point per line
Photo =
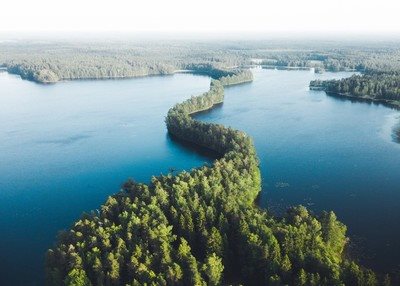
x=202 y=227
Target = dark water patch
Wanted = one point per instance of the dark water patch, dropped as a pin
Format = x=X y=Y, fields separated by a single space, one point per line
x=65 y=141
x=368 y=100
x=195 y=148
x=396 y=132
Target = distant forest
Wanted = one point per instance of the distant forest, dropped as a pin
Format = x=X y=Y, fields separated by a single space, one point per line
x=52 y=62
x=49 y=61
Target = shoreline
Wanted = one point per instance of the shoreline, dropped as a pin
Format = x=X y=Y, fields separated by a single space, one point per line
x=388 y=103
x=118 y=77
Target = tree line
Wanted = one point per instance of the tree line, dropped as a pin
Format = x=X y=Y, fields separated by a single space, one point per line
x=48 y=62
x=384 y=87
x=202 y=227
x=51 y=61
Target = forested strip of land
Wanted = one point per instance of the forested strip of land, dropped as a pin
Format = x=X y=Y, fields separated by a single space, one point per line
x=202 y=227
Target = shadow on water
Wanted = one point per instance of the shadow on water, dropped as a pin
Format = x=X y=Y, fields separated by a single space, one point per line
x=396 y=133
x=191 y=147
x=65 y=141
x=369 y=101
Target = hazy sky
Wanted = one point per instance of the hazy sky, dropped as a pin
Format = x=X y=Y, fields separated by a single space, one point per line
x=201 y=15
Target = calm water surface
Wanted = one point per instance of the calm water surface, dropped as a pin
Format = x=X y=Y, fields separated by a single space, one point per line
x=66 y=147
x=325 y=153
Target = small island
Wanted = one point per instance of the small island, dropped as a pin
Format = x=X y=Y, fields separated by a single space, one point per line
x=373 y=86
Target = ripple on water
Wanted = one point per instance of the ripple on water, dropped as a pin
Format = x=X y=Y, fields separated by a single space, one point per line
x=396 y=131
x=65 y=141
x=390 y=130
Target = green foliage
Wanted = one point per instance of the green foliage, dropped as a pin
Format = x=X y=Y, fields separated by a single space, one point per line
x=213 y=269
x=77 y=277
x=237 y=78
x=384 y=87
x=51 y=61
x=201 y=227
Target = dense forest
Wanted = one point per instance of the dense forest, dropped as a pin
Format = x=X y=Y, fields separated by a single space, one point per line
x=341 y=59
x=51 y=61
x=382 y=87
x=202 y=227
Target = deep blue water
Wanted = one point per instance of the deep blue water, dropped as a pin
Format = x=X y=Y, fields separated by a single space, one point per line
x=325 y=153
x=64 y=148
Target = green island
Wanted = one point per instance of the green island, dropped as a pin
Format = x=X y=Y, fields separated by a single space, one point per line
x=202 y=227
x=383 y=87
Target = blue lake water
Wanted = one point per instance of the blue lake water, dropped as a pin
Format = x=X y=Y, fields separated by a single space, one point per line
x=325 y=153
x=65 y=147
